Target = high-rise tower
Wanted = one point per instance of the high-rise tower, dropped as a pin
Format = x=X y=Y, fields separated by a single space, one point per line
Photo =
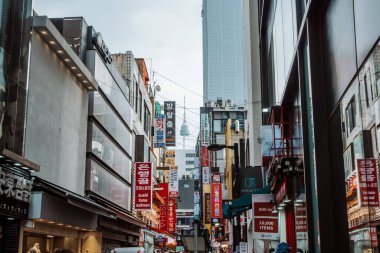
x=224 y=51
x=184 y=132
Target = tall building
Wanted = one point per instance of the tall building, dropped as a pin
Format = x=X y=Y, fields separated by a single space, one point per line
x=319 y=83
x=224 y=57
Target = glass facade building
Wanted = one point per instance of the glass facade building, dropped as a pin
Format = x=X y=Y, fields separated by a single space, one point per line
x=320 y=85
x=224 y=74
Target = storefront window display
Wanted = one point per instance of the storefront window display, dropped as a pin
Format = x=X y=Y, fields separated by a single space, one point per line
x=360 y=120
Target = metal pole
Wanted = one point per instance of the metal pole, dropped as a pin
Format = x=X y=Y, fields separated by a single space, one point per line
x=236 y=195
x=195 y=237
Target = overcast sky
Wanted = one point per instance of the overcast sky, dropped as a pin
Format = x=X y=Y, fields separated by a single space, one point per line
x=168 y=33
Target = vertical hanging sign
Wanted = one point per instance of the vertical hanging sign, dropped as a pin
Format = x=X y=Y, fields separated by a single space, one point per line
x=173 y=182
x=207 y=216
x=216 y=197
x=205 y=129
x=143 y=186
x=368 y=186
x=169 y=111
x=172 y=219
x=159 y=131
x=163 y=192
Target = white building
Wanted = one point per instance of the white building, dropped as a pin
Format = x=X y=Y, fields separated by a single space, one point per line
x=224 y=51
x=184 y=160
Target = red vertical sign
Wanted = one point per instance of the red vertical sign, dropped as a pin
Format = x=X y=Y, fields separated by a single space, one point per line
x=368 y=186
x=204 y=160
x=143 y=186
x=216 y=197
x=172 y=218
x=164 y=193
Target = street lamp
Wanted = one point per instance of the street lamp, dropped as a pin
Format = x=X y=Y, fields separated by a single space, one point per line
x=235 y=148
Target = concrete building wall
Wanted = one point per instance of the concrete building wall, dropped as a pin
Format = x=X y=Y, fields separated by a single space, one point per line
x=56 y=127
x=184 y=160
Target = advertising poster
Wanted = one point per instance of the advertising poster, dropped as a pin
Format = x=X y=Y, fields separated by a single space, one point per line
x=301 y=218
x=143 y=183
x=163 y=191
x=172 y=218
x=173 y=182
x=216 y=197
x=169 y=111
x=205 y=129
x=159 y=131
x=368 y=186
x=265 y=223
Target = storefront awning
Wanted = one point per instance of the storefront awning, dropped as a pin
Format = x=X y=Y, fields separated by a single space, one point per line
x=241 y=204
x=161 y=232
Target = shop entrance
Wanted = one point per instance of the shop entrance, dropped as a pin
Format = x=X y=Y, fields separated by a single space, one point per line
x=49 y=243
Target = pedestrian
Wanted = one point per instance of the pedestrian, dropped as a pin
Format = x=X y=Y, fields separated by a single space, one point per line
x=35 y=248
x=282 y=248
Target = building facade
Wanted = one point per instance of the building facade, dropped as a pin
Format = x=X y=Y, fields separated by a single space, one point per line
x=316 y=64
x=184 y=160
x=224 y=57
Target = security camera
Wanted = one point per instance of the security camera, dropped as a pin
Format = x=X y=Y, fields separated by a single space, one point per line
x=237 y=126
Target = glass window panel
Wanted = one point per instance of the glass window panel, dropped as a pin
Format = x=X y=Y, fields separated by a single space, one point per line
x=109 y=187
x=112 y=90
x=108 y=119
x=217 y=125
x=109 y=153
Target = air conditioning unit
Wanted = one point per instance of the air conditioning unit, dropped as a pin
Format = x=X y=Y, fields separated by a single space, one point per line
x=219 y=101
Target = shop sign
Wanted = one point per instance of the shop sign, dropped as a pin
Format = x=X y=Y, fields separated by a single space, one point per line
x=196 y=211
x=373 y=234
x=204 y=158
x=207 y=208
x=368 y=185
x=280 y=195
x=163 y=191
x=196 y=197
x=265 y=223
x=169 y=111
x=366 y=234
x=206 y=175
x=172 y=220
x=173 y=182
x=159 y=131
x=216 y=197
x=251 y=179
x=243 y=247
x=143 y=186
x=205 y=129
x=15 y=187
x=169 y=160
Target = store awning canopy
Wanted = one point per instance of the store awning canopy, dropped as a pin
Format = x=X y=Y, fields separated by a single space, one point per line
x=239 y=205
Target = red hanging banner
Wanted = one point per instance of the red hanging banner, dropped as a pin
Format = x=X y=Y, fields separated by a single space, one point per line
x=368 y=186
x=164 y=193
x=143 y=189
x=172 y=218
x=204 y=158
x=216 y=197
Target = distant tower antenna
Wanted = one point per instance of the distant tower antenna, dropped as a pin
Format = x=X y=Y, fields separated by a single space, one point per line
x=184 y=128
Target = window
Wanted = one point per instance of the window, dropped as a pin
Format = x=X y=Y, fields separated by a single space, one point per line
x=136 y=93
x=147 y=120
x=189 y=162
x=140 y=106
x=190 y=155
x=351 y=115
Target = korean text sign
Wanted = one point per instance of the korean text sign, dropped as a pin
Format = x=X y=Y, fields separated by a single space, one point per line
x=265 y=223
x=172 y=219
x=173 y=182
x=159 y=131
x=216 y=197
x=368 y=185
x=169 y=111
x=143 y=186
x=205 y=129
